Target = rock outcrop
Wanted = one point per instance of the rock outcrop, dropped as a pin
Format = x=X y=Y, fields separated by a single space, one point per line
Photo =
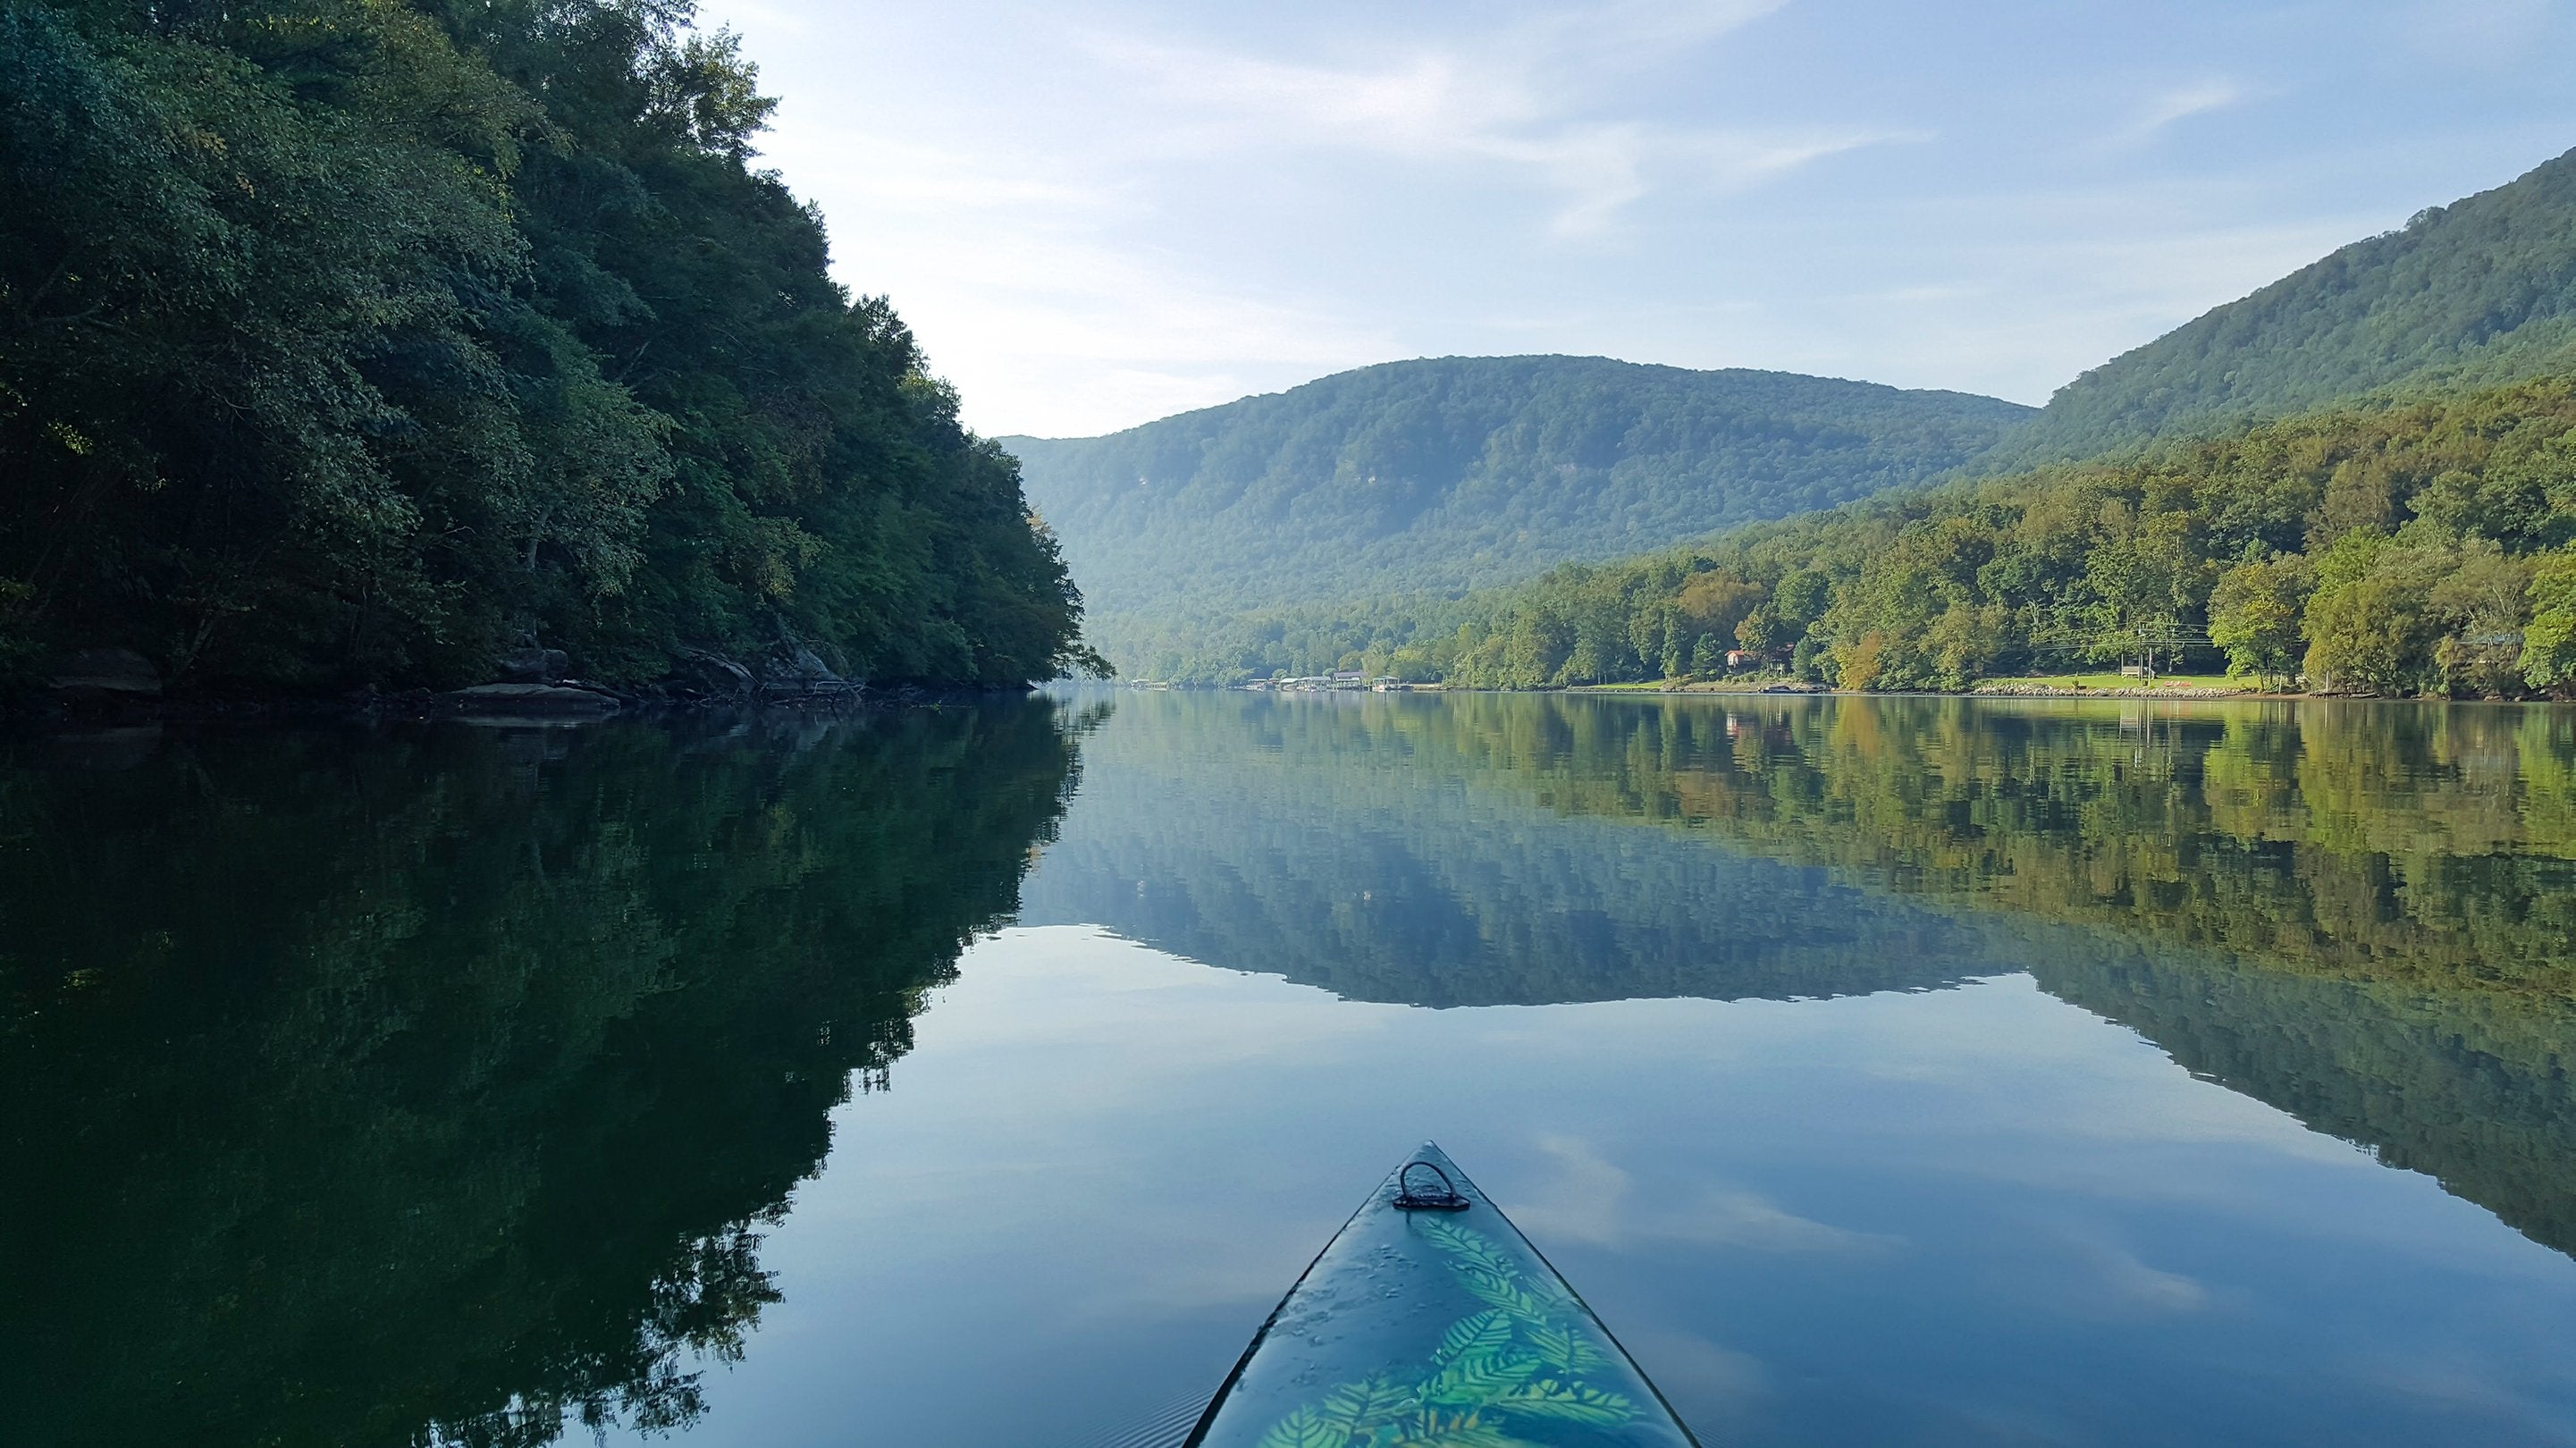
x=109 y=675
x=711 y=674
x=532 y=699
x=534 y=666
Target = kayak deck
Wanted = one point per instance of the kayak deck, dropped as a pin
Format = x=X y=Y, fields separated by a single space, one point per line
x=1431 y=1328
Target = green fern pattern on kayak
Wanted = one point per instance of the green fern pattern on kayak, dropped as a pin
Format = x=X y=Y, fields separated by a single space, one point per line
x=1509 y=1369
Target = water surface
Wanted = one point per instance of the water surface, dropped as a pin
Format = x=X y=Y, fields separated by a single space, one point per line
x=1894 y=1071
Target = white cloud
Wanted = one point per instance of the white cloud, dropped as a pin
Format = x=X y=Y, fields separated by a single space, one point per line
x=1682 y=1363
x=1526 y=98
x=2195 y=100
x=1044 y=267
x=1589 y=1200
x=2168 y=108
x=2126 y=1279
x=1013 y=275
x=1100 y=215
x=936 y=181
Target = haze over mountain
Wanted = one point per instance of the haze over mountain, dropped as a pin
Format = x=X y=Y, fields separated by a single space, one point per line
x=2482 y=291
x=1441 y=475
x=1353 y=513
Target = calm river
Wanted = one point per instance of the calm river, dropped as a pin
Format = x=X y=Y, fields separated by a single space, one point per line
x=1885 y=1072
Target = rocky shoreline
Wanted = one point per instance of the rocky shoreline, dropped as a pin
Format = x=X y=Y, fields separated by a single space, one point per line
x=110 y=687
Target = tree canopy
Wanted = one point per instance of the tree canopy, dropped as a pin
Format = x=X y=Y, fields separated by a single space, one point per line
x=1432 y=477
x=2422 y=549
x=354 y=341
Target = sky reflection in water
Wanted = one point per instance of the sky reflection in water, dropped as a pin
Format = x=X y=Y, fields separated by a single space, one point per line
x=1899 y=1071
x=1953 y=1209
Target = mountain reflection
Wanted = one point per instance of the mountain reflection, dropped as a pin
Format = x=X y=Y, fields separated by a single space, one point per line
x=2364 y=915
x=1368 y=849
x=437 y=1087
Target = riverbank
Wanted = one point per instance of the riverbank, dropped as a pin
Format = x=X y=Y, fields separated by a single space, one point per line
x=2053 y=687
x=564 y=702
x=1776 y=688
x=107 y=687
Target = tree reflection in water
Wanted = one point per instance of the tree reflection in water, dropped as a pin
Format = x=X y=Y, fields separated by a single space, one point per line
x=438 y=1086
x=2363 y=914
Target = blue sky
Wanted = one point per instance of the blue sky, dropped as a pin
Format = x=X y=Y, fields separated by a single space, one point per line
x=1095 y=215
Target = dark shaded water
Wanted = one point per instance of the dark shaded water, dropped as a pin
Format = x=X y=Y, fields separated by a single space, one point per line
x=1902 y=1071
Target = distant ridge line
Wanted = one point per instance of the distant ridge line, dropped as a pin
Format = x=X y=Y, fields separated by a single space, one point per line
x=1443 y=475
x=1006 y=439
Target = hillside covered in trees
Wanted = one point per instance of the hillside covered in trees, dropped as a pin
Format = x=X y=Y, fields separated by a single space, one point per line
x=1427 y=478
x=356 y=341
x=2423 y=549
x=2477 y=293
x=1352 y=522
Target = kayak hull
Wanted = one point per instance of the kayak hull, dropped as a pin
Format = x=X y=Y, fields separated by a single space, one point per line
x=1422 y=1327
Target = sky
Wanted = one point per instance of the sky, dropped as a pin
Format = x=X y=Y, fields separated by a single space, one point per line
x=1094 y=215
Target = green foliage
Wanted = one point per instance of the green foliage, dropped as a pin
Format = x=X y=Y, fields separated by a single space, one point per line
x=355 y=340
x=2254 y=615
x=2476 y=293
x=1365 y=1407
x=1495 y=1361
x=1568 y=1403
x=1427 y=478
x=2370 y=624
x=2337 y=542
x=1479 y=1334
x=2548 y=658
x=1478 y=1381
x=1303 y=550
x=1566 y=1349
x=440 y=1087
x=1309 y=1427
x=1435 y=1429
x=2422 y=612
x=2363 y=913
x=1399 y=873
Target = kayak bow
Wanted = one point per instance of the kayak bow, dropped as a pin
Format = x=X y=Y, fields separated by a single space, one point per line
x=1429 y=1321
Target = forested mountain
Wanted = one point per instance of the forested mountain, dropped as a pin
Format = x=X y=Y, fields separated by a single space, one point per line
x=2478 y=293
x=2425 y=549
x=351 y=341
x=1430 y=477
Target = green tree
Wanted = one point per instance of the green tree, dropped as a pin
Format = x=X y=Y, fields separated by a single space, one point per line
x=2255 y=613
x=1804 y=597
x=2482 y=601
x=355 y=341
x=2548 y=659
x=1762 y=630
x=2371 y=625
x=2144 y=579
